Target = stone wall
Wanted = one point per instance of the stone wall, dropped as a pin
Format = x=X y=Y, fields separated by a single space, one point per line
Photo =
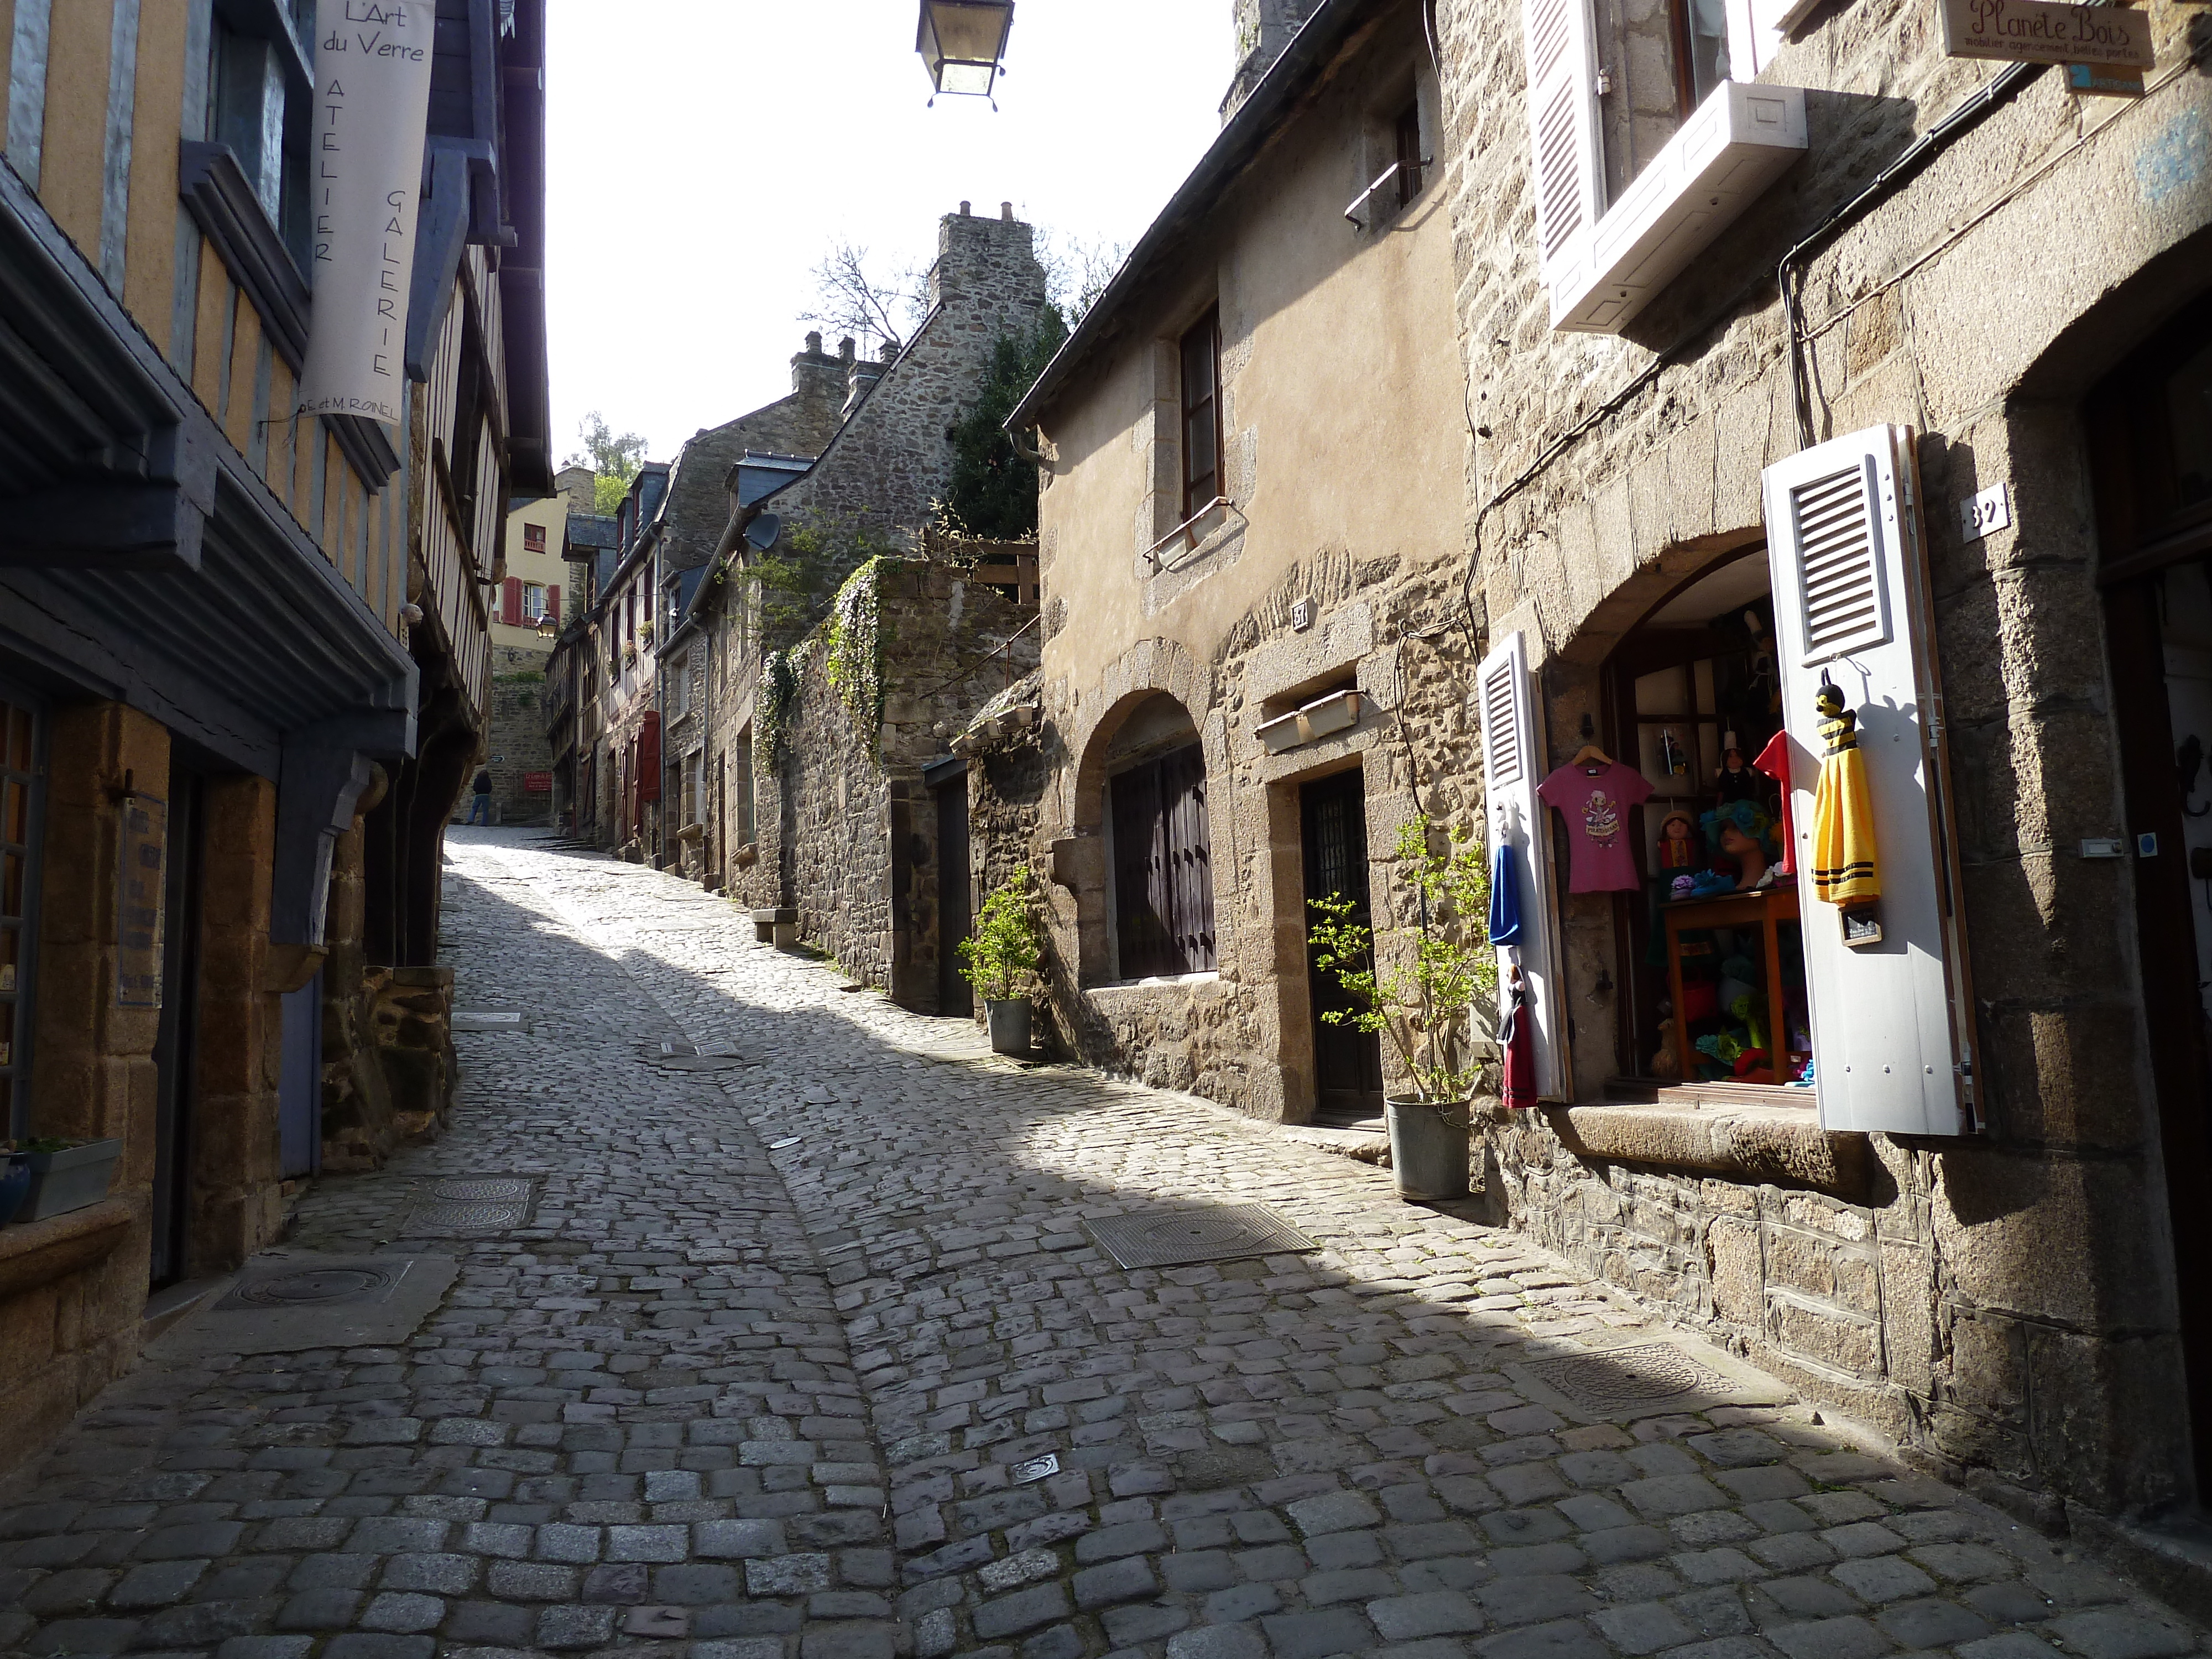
x=517 y=742
x=847 y=833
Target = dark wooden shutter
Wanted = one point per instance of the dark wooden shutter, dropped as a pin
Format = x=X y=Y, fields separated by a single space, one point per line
x=1162 y=869
x=510 y=602
x=648 y=756
x=553 y=602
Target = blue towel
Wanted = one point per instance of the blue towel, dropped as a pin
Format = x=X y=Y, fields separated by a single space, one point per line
x=1505 y=895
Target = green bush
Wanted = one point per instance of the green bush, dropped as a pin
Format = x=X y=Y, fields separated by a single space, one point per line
x=1426 y=1008
x=1008 y=942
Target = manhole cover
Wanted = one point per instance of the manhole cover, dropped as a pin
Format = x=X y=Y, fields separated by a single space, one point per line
x=472 y=1203
x=325 y=1286
x=1623 y=1379
x=688 y=1057
x=1175 y=1239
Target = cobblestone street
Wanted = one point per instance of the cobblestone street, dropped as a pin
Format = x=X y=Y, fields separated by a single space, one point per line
x=809 y=1356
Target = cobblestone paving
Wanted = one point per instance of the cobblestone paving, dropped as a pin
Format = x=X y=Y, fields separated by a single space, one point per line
x=812 y=1357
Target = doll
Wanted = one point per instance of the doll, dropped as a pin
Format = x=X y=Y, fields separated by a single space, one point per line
x=1735 y=781
x=1678 y=843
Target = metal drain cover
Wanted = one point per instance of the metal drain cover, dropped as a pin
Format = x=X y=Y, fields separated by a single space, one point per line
x=688 y=1057
x=1175 y=1238
x=472 y=1203
x=328 y=1285
x=1644 y=1378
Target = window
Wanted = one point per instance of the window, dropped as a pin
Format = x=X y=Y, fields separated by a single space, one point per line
x=533 y=601
x=249 y=109
x=19 y=892
x=1648 y=138
x=1163 y=872
x=1201 y=413
x=1407 y=131
x=533 y=537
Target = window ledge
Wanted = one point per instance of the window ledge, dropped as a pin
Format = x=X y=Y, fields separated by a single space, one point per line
x=36 y=1253
x=1744 y=136
x=1156 y=982
x=1764 y=1143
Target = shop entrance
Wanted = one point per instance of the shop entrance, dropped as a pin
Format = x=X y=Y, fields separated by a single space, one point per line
x=2150 y=432
x=1347 y=1061
x=1710 y=979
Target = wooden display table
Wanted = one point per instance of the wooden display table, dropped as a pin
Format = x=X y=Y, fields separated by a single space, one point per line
x=1765 y=909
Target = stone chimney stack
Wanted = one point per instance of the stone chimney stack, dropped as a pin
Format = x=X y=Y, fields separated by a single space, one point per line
x=860 y=373
x=1264 y=28
x=816 y=375
x=986 y=262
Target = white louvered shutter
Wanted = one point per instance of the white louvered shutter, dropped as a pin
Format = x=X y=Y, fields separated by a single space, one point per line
x=1512 y=767
x=1562 y=127
x=1892 y=1021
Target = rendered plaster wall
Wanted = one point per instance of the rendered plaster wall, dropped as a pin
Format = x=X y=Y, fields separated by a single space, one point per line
x=2036 y=1253
x=1341 y=413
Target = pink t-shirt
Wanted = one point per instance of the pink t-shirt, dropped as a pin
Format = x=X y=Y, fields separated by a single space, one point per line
x=1595 y=801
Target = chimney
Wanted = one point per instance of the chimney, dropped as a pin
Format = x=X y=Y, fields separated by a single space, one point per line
x=815 y=374
x=986 y=261
x=860 y=375
x=1264 y=28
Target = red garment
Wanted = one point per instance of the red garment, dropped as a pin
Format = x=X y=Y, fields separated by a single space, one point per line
x=1520 y=1046
x=1774 y=761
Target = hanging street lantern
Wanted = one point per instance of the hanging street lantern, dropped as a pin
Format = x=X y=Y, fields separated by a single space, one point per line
x=961 y=43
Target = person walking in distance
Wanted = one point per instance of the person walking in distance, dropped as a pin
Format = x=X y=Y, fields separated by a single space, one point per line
x=480 y=808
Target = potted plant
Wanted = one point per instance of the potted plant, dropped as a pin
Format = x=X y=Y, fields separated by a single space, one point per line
x=1424 y=1004
x=1007 y=944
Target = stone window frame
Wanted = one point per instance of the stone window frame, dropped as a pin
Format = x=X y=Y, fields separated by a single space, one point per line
x=1377 y=149
x=1161 y=437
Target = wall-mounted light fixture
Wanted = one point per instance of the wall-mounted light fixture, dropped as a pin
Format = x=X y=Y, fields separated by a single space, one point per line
x=963 y=44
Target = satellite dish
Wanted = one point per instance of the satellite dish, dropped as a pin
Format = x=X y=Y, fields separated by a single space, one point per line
x=763 y=531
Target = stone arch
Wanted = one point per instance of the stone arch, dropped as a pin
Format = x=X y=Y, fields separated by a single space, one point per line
x=1151 y=669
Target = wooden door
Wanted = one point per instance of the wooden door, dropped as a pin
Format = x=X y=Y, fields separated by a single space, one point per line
x=956 y=909
x=2151 y=453
x=176 y=1045
x=1347 y=1061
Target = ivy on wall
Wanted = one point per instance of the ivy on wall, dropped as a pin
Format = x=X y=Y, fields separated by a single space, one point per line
x=779 y=689
x=855 y=638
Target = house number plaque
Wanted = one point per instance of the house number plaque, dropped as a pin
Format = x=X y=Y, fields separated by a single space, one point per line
x=138 y=902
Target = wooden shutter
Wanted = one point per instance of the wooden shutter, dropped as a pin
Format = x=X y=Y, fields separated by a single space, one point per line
x=510 y=601
x=553 y=602
x=648 y=756
x=1190 y=858
x=1892 y=1021
x=1512 y=767
x=1562 y=125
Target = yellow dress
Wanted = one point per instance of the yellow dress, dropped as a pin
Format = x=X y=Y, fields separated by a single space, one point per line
x=1846 y=870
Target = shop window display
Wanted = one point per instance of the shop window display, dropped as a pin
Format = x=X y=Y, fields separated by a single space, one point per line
x=1713 y=985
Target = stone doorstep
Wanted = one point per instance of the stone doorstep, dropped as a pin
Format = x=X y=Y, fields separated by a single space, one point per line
x=172 y=1305
x=1766 y=1143
x=2171 y=1557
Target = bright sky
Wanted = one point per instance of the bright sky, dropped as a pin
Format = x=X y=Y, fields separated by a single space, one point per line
x=705 y=154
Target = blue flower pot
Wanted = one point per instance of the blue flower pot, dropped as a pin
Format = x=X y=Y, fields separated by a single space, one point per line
x=15 y=1185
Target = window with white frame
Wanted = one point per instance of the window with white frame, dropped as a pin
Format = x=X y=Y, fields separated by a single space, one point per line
x=1649 y=135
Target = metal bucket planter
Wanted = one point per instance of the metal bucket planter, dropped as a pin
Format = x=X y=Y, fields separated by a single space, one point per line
x=14 y=1183
x=1428 y=1147
x=1009 y=1024
x=68 y=1180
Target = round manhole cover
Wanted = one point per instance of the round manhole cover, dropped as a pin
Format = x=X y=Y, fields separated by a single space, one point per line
x=495 y=1189
x=1640 y=1374
x=313 y=1286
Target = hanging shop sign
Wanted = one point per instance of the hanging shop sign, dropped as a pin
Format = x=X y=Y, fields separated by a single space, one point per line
x=372 y=108
x=2032 y=32
x=139 y=899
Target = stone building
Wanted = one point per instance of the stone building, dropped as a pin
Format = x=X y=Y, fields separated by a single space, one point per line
x=242 y=653
x=526 y=621
x=1939 y=1171
x=817 y=803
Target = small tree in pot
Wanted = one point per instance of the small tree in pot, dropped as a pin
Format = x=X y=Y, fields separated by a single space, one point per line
x=1007 y=946
x=1424 y=1006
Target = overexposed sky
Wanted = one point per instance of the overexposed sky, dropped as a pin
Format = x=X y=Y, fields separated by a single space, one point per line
x=705 y=154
